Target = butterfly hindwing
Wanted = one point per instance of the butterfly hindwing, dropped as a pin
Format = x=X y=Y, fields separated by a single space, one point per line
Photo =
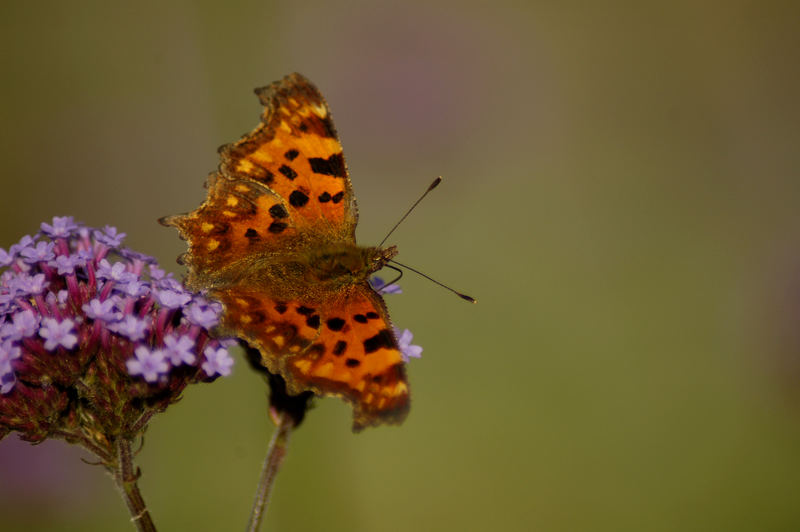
x=343 y=347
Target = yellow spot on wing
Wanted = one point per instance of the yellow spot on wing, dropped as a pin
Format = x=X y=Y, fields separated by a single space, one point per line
x=319 y=110
x=212 y=244
x=206 y=227
x=232 y=201
x=303 y=365
x=323 y=370
x=244 y=166
x=279 y=340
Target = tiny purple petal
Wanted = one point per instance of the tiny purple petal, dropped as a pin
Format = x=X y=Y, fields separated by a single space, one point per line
x=136 y=288
x=156 y=273
x=170 y=283
x=117 y=272
x=65 y=264
x=24 y=243
x=62 y=227
x=101 y=310
x=58 y=333
x=6 y=258
x=24 y=324
x=131 y=327
x=149 y=364
x=205 y=316
x=9 y=351
x=172 y=299
x=135 y=255
x=179 y=350
x=381 y=286
x=218 y=361
x=407 y=350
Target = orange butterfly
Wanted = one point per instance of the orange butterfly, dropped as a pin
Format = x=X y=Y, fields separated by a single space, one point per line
x=274 y=242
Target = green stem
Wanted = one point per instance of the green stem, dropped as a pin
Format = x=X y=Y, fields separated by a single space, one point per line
x=276 y=452
x=126 y=476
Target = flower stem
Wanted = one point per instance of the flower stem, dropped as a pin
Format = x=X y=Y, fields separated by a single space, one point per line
x=125 y=475
x=276 y=452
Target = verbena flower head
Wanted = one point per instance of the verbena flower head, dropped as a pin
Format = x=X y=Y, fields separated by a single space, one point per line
x=94 y=337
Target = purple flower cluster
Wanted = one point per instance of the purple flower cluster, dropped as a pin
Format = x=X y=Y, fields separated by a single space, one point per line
x=82 y=316
x=404 y=336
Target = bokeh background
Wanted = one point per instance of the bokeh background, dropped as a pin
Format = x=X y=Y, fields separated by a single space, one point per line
x=620 y=194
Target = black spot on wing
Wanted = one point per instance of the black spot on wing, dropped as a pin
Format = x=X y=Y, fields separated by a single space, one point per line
x=291 y=154
x=305 y=311
x=251 y=233
x=278 y=211
x=298 y=198
x=313 y=321
x=372 y=315
x=333 y=165
x=288 y=172
x=280 y=308
x=324 y=197
x=335 y=324
x=336 y=198
x=277 y=227
x=384 y=339
x=352 y=362
x=339 y=348
x=360 y=318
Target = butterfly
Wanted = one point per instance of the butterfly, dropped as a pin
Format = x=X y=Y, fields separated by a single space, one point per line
x=274 y=242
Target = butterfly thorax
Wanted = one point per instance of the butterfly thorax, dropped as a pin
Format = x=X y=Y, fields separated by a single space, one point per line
x=345 y=263
x=312 y=271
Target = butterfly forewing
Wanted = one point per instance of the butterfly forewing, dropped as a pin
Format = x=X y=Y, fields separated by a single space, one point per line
x=296 y=153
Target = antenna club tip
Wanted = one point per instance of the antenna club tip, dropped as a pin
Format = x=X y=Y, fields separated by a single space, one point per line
x=435 y=183
x=468 y=298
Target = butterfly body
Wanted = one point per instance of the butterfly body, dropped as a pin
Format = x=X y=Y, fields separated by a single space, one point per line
x=274 y=242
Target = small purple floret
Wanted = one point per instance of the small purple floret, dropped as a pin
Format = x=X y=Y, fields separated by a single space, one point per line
x=217 y=361
x=131 y=327
x=41 y=252
x=101 y=310
x=147 y=363
x=62 y=227
x=24 y=324
x=404 y=343
x=172 y=299
x=117 y=272
x=206 y=316
x=179 y=350
x=381 y=286
x=57 y=333
x=109 y=236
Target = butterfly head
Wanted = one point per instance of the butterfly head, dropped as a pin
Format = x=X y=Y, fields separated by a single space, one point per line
x=378 y=257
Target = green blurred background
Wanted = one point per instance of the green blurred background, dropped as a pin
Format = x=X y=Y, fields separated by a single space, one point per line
x=620 y=194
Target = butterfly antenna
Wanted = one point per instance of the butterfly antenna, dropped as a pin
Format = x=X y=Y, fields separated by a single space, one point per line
x=433 y=185
x=459 y=294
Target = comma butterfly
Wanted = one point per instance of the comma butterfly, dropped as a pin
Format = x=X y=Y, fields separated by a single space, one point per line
x=274 y=242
